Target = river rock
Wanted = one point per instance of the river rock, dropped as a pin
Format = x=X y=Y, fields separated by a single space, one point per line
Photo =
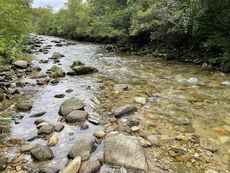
x=94 y=118
x=118 y=112
x=208 y=145
x=46 y=129
x=76 y=116
x=81 y=70
x=42 y=153
x=90 y=166
x=57 y=72
x=77 y=63
x=27 y=148
x=59 y=96
x=73 y=166
x=24 y=107
x=140 y=100
x=59 y=127
x=43 y=81
x=99 y=134
x=52 y=141
x=120 y=87
x=57 y=55
x=38 y=114
x=81 y=147
x=71 y=105
x=21 y=64
x=39 y=121
x=126 y=151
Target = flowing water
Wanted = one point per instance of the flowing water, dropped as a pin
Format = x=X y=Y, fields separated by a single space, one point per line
x=173 y=90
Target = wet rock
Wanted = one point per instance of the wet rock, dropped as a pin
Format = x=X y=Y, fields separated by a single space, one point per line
x=70 y=73
x=43 y=81
x=84 y=126
x=90 y=166
x=59 y=127
x=43 y=61
x=46 y=129
x=77 y=63
x=73 y=166
x=120 y=87
x=81 y=70
x=59 y=96
x=59 y=45
x=76 y=116
x=21 y=64
x=42 y=124
x=57 y=55
x=123 y=150
x=99 y=134
x=39 y=121
x=27 y=148
x=24 y=107
x=42 y=153
x=71 y=105
x=48 y=170
x=56 y=72
x=94 y=118
x=54 y=81
x=38 y=114
x=81 y=147
x=118 y=112
x=140 y=100
x=52 y=141
x=208 y=145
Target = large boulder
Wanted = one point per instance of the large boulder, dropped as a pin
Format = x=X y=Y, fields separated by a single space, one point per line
x=81 y=70
x=76 y=116
x=81 y=147
x=42 y=153
x=71 y=105
x=21 y=64
x=57 y=55
x=73 y=166
x=125 y=151
x=56 y=72
x=118 y=112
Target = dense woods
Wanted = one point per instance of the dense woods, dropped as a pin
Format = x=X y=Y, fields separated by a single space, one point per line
x=189 y=30
x=14 y=25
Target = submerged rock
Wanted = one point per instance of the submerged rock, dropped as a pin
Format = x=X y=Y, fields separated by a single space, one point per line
x=124 y=151
x=118 y=112
x=76 y=116
x=81 y=70
x=71 y=105
x=21 y=64
x=81 y=147
x=73 y=166
x=42 y=153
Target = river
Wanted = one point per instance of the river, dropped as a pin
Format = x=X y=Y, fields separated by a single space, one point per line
x=182 y=101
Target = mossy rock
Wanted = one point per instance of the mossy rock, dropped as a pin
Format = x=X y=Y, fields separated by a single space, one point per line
x=2 y=96
x=77 y=63
x=57 y=72
x=81 y=70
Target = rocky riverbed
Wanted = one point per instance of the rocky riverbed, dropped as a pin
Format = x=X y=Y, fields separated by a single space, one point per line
x=81 y=107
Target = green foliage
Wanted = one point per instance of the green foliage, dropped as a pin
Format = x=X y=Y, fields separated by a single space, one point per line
x=180 y=25
x=13 y=26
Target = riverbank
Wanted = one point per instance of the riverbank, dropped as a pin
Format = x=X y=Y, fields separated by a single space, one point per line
x=173 y=117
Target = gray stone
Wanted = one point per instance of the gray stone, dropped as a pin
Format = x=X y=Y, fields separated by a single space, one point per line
x=90 y=166
x=73 y=166
x=81 y=147
x=118 y=112
x=59 y=127
x=46 y=129
x=57 y=55
x=42 y=153
x=125 y=151
x=76 y=116
x=94 y=118
x=21 y=64
x=71 y=105
x=27 y=148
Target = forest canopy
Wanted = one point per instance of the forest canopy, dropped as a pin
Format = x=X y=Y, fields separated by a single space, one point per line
x=182 y=29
